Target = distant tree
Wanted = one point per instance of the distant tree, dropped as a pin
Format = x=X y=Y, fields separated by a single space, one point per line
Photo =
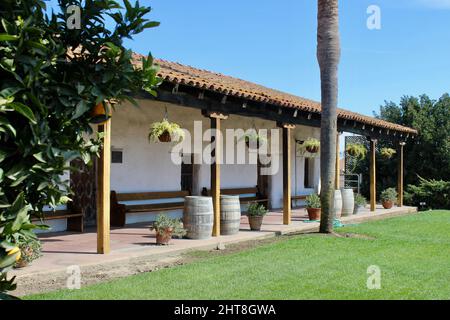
x=52 y=76
x=427 y=156
x=328 y=56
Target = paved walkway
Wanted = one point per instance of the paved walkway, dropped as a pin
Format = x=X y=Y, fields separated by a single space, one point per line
x=61 y=250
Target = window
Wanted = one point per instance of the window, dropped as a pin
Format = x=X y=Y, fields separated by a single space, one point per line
x=116 y=156
x=187 y=172
x=308 y=180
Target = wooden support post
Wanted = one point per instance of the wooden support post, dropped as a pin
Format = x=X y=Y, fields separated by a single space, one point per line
x=215 y=168
x=103 y=190
x=337 y=180
x=400 y=174
x=287 y=173
x=373 y=177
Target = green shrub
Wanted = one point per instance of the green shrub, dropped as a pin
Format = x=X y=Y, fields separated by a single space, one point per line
x=52 y=76
x=255 y=209
x=163 y=223
x=390 y=194
x=313 y=201
x=360 y=201
x=434 y=194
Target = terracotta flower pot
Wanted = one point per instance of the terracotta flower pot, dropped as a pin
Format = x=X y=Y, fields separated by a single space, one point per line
x=99 y=114
x=255 y=222
x=164 y=237
x=313 y=213
x=312 y=149
x=21 y=264
x=387 y=204
x=165 y=137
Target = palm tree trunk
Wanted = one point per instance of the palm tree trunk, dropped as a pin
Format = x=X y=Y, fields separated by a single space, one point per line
x=328 y=55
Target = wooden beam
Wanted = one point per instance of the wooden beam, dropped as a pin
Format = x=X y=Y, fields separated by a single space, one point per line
x=103 y=191
x=337 y=182
x=400 y=174
x=286 y=175
x=215 y=174
x=215 y=115
x=373 y=182
x=188 y=96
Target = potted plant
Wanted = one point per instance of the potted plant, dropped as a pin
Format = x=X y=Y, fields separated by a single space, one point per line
x=100 y=113
x=356 y=150
x=255 y=214
x=387 y=153
x=313 y=206
x=30 y=250
x=166 y=227
x=388 y=197
x=360 y=202
x=254 y=139
x=312 y=145
x=165 y=131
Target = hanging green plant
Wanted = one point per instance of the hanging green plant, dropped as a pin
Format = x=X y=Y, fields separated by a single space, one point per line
x=312 y=145
x=253 y=139
x=165 y=131
x=387 y=153
x=356 y=150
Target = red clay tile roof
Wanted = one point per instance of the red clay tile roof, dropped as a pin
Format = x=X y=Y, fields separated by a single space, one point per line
x=177 y=73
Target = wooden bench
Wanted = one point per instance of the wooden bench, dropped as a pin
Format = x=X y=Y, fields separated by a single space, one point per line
x=74 y=218
x=119 y=210
x=295 y=198
x=246 y=195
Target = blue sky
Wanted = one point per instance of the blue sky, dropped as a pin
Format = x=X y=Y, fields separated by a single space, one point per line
x=273 y=42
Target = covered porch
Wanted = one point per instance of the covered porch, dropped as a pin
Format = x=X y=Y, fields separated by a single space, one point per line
x=220 y=102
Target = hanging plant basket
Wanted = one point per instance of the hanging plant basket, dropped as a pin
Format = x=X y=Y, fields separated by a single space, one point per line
x=165 y=137
x=356 y=150
x=254 y=141
x=165 y=131
x=312 y=145
x=387 y=153
x=312 y=149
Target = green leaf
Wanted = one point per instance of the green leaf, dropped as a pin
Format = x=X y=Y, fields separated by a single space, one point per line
x=8 y=261
x=80 y=109
x=39 y=157
x=151 y=24
x=24 y=110
x=9 y=92
x=8 y=37
x=21 y=218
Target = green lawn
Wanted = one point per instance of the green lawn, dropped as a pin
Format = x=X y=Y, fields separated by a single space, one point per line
x=413 y=253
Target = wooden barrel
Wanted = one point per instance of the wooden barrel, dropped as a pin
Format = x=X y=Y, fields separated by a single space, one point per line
x=230 y=215
x=348 y=202
x=337 y=204
x=198 y=217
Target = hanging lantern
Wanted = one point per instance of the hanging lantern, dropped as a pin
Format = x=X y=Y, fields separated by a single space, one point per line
x=99 y=114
